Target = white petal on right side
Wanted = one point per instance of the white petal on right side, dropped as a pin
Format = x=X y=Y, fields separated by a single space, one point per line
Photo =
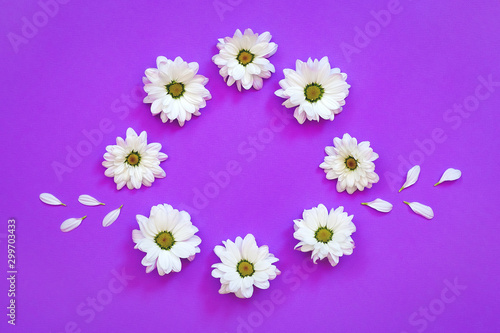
x=380 y=205
x=71 y=224
x=49 y=199
x=449 y=175
x=420 y=209
x=87 y=200
x=111 y=217
x=411 y=177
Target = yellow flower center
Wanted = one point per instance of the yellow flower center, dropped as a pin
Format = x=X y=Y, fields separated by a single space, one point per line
x=165 y=240
x=313 y=92
x=245 y=268
x=133 y=158
x=245 y=57
x=323 y=235
x=351 y=163
x=175 y=89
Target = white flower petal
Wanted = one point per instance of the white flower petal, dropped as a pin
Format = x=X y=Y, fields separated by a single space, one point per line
x=71 y=223
x=111 y=217
x=379 y=204
x=87 y=200
x=449 y=175
x=411 y=177
x=49 y=199
x=421 y=209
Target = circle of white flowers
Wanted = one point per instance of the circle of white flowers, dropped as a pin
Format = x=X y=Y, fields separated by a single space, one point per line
x=351 y=164
x=314 y=89
x=327 y=235
x=166 y=236
x=175 y=89
x=243 y=266
x=243 y=58
x=134 y=162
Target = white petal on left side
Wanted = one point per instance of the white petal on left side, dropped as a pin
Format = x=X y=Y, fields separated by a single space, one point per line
x=380 y=205
x=111 y=217
x=87 y=200
x=449 y=175
x=420 y=209
x=71 y=224
x=411 y=177
x=49 y=199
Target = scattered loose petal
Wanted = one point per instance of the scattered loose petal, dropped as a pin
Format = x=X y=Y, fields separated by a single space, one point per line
x=111 y=217
x=49 y=199
x=449 y=175
x=420 y=209
x=87 y=200
x=411 y=177
x=71 y=223
x=379 y=204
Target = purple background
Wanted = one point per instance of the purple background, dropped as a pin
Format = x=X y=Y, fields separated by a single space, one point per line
x=85 y=64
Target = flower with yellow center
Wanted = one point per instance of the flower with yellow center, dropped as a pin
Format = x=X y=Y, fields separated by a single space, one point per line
x=243 y=59
x=327 y=235
x=314 y=89
x=134 y=162
x=351 y=164
x=244 y=265
x=166 y=237
x=175 y=89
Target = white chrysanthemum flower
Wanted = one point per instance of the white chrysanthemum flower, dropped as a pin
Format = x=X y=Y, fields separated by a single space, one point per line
x=314 y=89
x=244 y=265
x=243 y=58
x=166 y=236
x=351 y=164
x=326 y=235
x=133 y=161
x=175 y=89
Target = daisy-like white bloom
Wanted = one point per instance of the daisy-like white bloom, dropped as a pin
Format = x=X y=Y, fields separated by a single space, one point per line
x=166 y=236
x=326 y=235
x=133 y=161
x=243 y=266
x=243 y=58
x=314 y=89
x=351 y=164
x=175 y=89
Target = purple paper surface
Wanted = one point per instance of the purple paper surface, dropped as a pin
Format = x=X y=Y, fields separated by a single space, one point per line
x=425 y=80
